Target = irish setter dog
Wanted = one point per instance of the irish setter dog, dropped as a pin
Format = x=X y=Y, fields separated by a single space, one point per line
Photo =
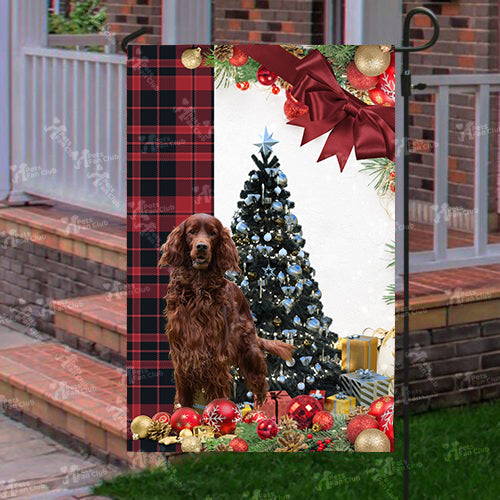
x=209 y=324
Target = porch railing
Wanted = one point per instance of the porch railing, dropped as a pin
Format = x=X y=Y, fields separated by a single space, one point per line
x=68 y=118
x=481 y=252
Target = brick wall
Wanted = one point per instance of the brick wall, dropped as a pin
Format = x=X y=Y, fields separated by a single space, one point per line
x=468 y=43
x=127 y=16
x=268 y=21
x=31 y=276
x=451 y=366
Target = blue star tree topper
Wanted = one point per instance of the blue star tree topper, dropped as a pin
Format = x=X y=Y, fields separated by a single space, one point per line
x=266 y=146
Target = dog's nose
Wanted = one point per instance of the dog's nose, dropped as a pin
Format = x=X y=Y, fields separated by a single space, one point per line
x=201 y=247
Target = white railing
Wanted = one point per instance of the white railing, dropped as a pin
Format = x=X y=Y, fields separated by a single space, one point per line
x=442 y=257
x=68 y=118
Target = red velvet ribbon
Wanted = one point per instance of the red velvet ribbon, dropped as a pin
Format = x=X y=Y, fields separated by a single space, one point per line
x=351 y=122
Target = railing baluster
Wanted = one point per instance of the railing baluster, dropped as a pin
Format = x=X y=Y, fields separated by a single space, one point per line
x=441 y=173
x=481 y=165
x=66 y=178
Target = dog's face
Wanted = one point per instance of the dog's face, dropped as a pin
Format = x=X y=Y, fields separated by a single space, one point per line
x=200 y=242
x=202 y=233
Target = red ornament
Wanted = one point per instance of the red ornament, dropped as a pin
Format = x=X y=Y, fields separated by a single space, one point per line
x=238 y=444
x=359 y=424
x=386 y=424
x=162 y=417
x=242 y=85
x=324 y=419
x=266 y=77
x=254 y=416
x=392 y=186
x=293 y=108
x=385 y=91
x=380 y=98
x=358 y=80
x=239 y=58
x=379 y=406
x=275 y=89
x=267 y=428
x=302 y=409
x=185 y=418
x=222 y=415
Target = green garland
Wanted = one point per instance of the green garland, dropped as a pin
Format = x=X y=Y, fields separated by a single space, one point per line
x=248 y=432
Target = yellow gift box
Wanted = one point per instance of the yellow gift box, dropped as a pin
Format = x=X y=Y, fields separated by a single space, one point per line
x=340 y=403
x=359 y=351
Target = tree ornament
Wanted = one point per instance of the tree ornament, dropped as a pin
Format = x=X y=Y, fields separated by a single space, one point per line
x=291 y=442
x=358 y=80
x=203 y=432
x=283 y=84
x=223 y=415
x=223 y=52
x=380 y=406
x=386 y=424
x=275 y=89
x=185 y=418
x=276 y=321
x=186 y=432
x=378 y=96
x=238 y=444
x=372 y=440
x=293 y=108
x=162 y=417
x=140 y=426
x=191 y=444
x=267 y=428
x=266 y=77
x=324 y=419
x=385 y=48
x=359 y=424
x=168 y=440
x=387 y=81
x=158 y=430
x=242 y=85
x=191 y=58
x=254 y=416
x=370 y=60
x=239 y=58
x=302 y=409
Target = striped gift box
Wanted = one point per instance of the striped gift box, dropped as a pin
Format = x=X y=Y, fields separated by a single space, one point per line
x=365 y=385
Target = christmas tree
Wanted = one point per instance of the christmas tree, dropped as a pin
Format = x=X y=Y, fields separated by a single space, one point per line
x=278 y=282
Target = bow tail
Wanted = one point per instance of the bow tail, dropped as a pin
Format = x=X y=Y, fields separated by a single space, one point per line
x=339 y=142
x=373 y=137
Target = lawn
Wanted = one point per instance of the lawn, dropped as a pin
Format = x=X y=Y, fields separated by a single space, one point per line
x=454 y=454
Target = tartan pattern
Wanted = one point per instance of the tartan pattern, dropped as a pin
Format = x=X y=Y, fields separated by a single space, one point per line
x=170 y=113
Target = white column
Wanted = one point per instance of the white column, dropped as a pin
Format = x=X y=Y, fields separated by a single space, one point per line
x=4 y=100
x=186 y=21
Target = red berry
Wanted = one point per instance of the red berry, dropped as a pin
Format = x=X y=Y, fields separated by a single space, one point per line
x=309 y=436
x=328 y=441
x=393 y=187
x=392 y=174
x=242 y=85
x=238 y=85
x=275 y=89
x=319 y=443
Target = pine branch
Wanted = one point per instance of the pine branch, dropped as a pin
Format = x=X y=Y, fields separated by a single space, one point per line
x=390 y=297
x=380 y=170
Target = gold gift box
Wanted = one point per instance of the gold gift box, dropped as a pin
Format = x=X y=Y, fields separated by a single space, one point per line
x=359 y=351
x=343 y=405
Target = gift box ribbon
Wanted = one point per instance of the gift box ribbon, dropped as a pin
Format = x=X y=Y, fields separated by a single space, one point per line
x=365 y=374
x=371 y=129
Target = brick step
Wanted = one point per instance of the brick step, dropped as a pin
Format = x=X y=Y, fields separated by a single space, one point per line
x=96 y=324
x=70 y=393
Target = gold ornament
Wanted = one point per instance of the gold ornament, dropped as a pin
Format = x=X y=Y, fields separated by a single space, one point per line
x=140 y=427
x=223 y=447
x=223 y=52
x=316 y=427
x=252 y=275
x=191 y=58
x=192 y=444
x=184 y=433
x=385 y=48
x=158 y=430
x=306 y=342
x=370 y=60
x=372 y=440
x=362 y=95
x=169 y=440
x=294 y=49
x=291 y=442
x=203 y=432
x=359 y=410
x=277 y=321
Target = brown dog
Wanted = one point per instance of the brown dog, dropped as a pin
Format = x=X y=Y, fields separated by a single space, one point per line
x=209 y=324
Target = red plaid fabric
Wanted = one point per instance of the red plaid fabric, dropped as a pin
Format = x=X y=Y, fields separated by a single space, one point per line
x=170 y=153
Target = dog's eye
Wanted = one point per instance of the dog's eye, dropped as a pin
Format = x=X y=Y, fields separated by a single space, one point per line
x=212 y=233
x=192 y=231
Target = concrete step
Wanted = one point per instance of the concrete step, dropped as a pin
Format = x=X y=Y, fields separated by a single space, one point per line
x=95 y=324
x=69 y=392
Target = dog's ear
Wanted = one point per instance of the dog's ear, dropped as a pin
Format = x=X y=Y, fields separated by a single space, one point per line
x=227 y=257
x=174 y=249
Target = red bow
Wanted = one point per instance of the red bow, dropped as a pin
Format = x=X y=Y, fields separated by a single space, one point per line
x=370 y=129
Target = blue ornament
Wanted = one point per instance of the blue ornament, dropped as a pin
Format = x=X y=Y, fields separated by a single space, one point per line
x=287 y=304
x=313 y=325
x=301 y=254
x=277 y=205
x=255 y=177
x=298 y=239
x=317 y=294
x=290 y=334
x=311 y=309
x=249 y=257
x=308 y=283
x=281 y=379
x=326 y=321
x=310 y=379
x=255 y=238
x=301 y=386
x=300 y=287
x=294 y=270
x=288 y=290
x=281 y=277
x=282 y=252
x=317 y=367
x=268 y=237
x=254 y=318
x=306 y=360
x=266 y=146
x=257 y=218
x=290 y=363
x=296 y=321
x=242 y=227
x=282 y=180
x=277 y=190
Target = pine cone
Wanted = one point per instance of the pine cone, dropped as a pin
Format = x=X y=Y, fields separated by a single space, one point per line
x=362 y=95
x=359 y=410
x=285 y=423
x=283 y=84
x=223 y=52
x=291 y=442
x=158 y=430
x=293 y=49
x=223 y=447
